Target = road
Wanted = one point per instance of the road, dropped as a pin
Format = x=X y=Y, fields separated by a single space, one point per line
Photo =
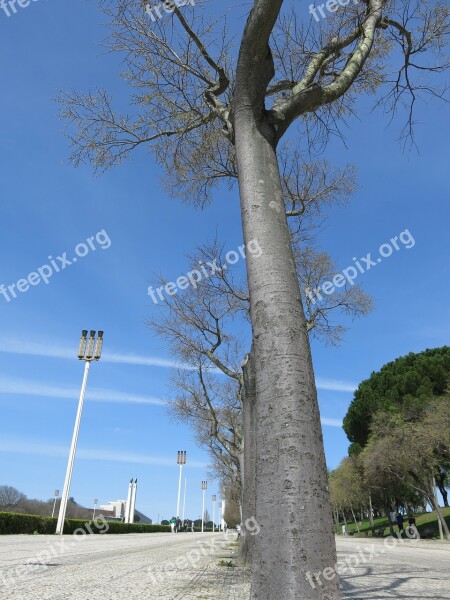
x=187 y=567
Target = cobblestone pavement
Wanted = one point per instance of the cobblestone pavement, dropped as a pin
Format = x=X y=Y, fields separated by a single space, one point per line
x=113 y=567
x=408 y=570
x=187 y=567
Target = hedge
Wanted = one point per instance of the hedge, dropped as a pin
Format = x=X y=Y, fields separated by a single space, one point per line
x=13 y=523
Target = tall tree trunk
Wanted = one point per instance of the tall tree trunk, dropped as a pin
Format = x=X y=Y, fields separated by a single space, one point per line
x=345 y=522
x=440 y=481
x=292 y=497
x=433 y=499
x=354 y=519
x=248 y=395
x=336 y=521
x=391 y=525
x=371 y=512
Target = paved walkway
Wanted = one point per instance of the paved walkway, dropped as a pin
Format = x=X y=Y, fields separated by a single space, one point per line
x=413 y=570
x=187 y=567
x=113 y=567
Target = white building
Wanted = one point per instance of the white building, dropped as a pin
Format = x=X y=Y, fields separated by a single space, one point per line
x=115 y=508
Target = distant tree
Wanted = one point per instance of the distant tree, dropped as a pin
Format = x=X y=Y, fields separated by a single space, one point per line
x=405 y=385
x=349 y=490
x=165 y=522
x=400 y=452
x=10 y=497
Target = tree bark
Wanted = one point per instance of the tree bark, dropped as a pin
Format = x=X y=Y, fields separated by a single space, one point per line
x=388 y=511
x=248 y=395
x=354 y=519
x=371 y=512
x=336 y=520
x=345 y=522
x=440 y=481
x=292 y=497
x=437 y=508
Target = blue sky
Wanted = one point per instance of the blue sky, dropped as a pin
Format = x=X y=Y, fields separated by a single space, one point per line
x=48 y=207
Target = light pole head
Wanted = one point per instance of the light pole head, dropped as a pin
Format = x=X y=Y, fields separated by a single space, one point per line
x=204 y=485
x=181 y=457
x=214 y=498
x=98 y=346
x=82 y=347
x=90 y=345
x=89 y=349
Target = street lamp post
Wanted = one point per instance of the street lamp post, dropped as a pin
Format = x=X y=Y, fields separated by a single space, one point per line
x=54 y=502
x=223 y=511
x=204 y=488
x=181 y=460
x=95 y=507
x=214 y=498
x=89 y=350
x=184 y=499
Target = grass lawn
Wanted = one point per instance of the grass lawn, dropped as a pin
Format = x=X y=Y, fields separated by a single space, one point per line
x=425 y=521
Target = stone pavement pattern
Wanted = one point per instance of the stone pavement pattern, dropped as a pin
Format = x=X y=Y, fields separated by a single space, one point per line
x=186 y=567
x=113 y=567
x=413 y=570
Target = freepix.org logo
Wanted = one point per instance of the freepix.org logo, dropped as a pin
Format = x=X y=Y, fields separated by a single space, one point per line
x=167 y=5
x=43 y=273
x=9 y=7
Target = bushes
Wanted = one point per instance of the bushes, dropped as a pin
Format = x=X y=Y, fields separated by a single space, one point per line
x=17 y=523
x=12 y=523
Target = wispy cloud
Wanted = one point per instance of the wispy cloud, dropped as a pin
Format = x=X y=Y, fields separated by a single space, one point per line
x=335 y=385
x=331 y=422
x=147 y=361
x=9 y=385
x=22 y=446
x=11 y=345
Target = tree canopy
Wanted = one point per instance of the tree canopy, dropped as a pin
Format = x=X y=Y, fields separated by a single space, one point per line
x=405 y=386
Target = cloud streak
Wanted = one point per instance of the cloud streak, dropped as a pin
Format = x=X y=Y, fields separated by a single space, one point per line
x=331 y=422
x=14 y=346
x=21 y=446
x=9 y=385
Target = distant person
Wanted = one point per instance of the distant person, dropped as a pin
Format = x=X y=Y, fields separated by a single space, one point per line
x=225 y=527
x=173 y=523
x=179 y=524
x=186 y=526
x=400 y=522
x=192 y=527
x=412 y=529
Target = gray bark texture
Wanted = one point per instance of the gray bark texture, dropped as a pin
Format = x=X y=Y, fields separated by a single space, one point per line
x=292 y=498
x=248 y=471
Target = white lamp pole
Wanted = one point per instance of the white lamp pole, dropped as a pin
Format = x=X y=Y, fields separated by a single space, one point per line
x=214 y=498
x=128 y=504
x=223 y=510
x=87 y=353
x=204 y=488
x=54 y=502
x=184 y=499
x=181 y=460
x=95 y=507
x=133 y=502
